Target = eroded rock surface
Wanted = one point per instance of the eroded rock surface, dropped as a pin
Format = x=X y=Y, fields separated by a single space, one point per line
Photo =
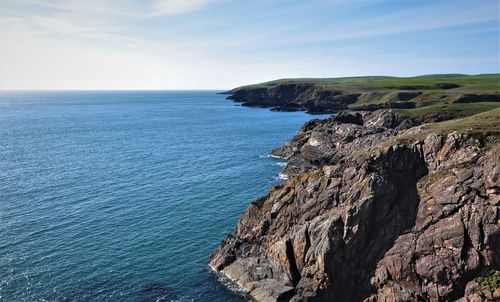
x=375 y=209
x=293 y=97
x=316 y=98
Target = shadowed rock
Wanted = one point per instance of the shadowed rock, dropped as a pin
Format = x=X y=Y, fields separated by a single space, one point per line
x=295 y=97
x=447 y=85
x=375 y=210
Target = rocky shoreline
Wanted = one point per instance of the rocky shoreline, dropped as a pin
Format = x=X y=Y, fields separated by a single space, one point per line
x=378 y=206
x=318 y=99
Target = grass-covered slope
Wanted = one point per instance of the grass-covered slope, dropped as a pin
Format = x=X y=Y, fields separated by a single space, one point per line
x=483 y=83
x=487 y=123
x=447 y=111
x=428 y=97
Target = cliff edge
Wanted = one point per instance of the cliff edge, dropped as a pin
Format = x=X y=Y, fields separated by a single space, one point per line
x=368 y=93
x=380 y=205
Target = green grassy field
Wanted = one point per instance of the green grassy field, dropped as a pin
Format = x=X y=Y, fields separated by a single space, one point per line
x=448 y=111
x=484 y=122
x=467 y=83
x=485 y=83
x=438 y=97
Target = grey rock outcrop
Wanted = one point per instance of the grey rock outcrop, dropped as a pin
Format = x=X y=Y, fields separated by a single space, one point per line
x=294 y=97
x=375 y=209
x=316 y=98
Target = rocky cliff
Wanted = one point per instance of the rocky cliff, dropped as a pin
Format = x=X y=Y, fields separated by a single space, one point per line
x=377 y=207
x=292 y=97
x=318 y=98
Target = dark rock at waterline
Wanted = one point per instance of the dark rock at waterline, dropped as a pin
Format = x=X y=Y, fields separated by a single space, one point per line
x=320 y=99
x=294 y=97
x=375 y=209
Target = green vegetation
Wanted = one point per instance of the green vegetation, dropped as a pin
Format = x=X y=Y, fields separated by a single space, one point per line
x=490 y=283
x=446 y=102
x=444 y=111
x=321 y=81
x=484 y=83
x=487 y=122
x=466 y=83
x=478 y=126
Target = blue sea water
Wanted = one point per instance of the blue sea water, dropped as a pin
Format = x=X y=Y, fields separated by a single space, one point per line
x=122 y=196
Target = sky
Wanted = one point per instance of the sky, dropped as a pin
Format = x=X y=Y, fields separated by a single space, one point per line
x=221 y=44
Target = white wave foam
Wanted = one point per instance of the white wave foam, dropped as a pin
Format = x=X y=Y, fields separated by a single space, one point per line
x=282 y=176
x=229 y=283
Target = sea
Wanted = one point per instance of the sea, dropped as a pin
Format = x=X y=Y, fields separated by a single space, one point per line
x=123 y=195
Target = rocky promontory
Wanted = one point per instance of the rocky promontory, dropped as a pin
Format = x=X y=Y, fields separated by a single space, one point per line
x=332 y=95
x=383 y=205
x=293 y=97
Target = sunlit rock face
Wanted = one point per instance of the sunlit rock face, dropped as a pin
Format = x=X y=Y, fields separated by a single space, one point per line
x=375 y=209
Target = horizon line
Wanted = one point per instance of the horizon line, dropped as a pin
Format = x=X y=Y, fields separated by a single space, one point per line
x=228 y=89
x=97 y=90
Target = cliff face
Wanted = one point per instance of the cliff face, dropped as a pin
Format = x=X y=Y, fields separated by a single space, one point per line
x=376 y=208
x=316 y=98
x=286 y=97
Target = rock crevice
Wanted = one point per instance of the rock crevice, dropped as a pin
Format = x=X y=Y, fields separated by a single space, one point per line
x=375 y=209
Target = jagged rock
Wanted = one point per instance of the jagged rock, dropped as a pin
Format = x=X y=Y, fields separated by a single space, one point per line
x=349 y=118
x=322 y=142
x=294 y=97
x=315 y=98
x=372 y=211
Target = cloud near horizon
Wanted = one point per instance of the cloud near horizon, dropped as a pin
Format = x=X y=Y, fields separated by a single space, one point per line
x=219 y=44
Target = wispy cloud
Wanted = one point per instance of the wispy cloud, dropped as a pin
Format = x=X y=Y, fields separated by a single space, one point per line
x=430 y=17
x=132 y=9
x=222 y=43
x=89 y=7
x=176 y=7
x=58 y=25
x=116 y=19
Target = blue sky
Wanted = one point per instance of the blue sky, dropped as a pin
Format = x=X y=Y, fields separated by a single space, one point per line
x=220 y=44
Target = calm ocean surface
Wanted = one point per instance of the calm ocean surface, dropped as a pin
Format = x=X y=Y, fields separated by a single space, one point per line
x=122 y=196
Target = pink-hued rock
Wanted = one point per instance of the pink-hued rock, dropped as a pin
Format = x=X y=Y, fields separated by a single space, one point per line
x=371 y=212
